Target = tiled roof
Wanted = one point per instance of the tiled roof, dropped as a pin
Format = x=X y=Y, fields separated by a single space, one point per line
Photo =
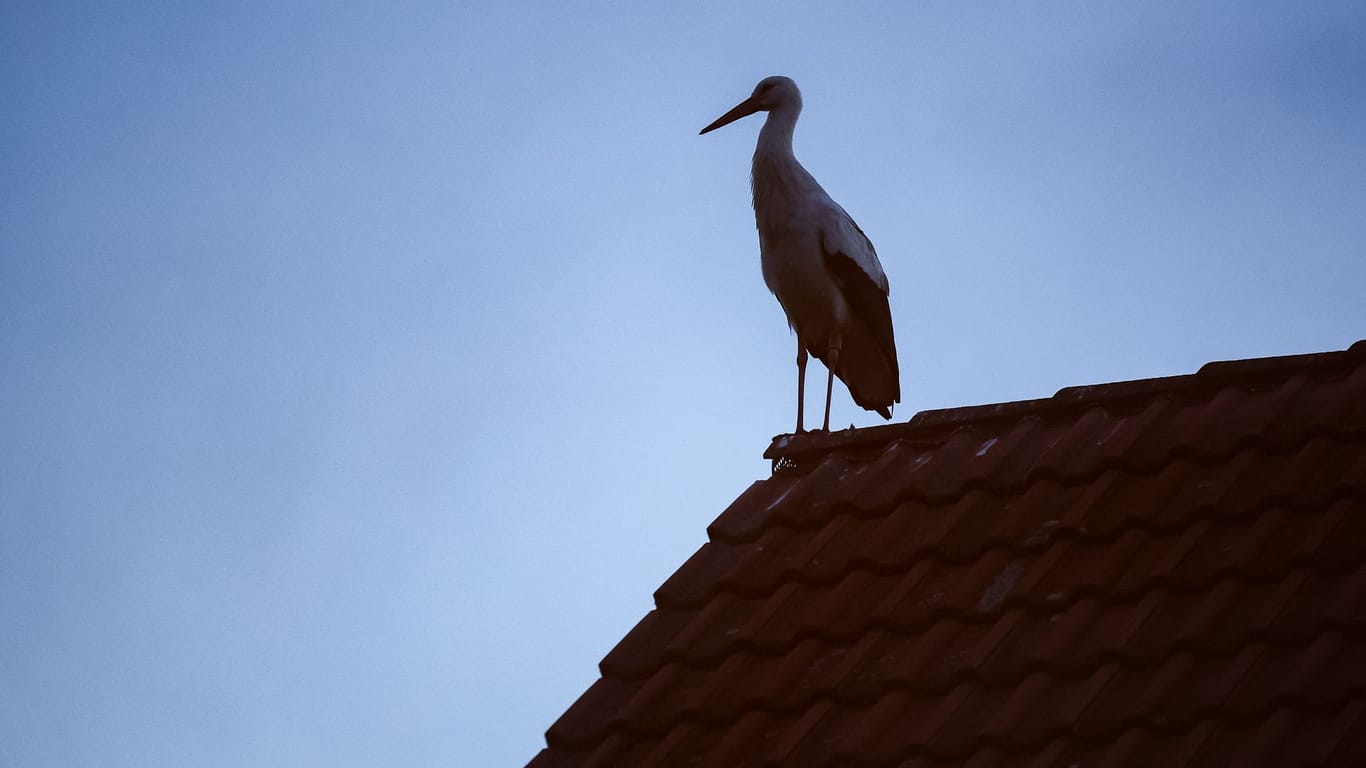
x=1167 y=572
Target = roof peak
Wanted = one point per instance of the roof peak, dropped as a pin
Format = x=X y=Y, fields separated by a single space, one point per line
x=795 y=452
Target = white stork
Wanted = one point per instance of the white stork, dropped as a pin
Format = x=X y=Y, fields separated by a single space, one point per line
x=817 y=261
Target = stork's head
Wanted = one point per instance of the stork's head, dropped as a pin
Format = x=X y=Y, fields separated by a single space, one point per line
x=772 y=94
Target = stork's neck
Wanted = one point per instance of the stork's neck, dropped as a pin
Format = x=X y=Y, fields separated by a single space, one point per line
x=775 y=138
x=777 y=180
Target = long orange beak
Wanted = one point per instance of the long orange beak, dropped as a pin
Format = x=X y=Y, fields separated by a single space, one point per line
x=747 y=107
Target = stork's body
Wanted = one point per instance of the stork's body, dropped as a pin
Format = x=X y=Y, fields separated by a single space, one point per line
x=818 y=263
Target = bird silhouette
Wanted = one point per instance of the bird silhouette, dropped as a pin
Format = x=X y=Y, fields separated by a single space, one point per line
x=817 y=262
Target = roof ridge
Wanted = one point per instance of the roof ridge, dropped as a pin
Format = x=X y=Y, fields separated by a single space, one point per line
x=1195 y=454
x=930 y=427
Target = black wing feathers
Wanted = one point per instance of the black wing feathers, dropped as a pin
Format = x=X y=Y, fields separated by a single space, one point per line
x=869 y=304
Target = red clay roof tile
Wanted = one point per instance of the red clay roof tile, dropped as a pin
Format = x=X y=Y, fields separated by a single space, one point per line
x=1160 y=572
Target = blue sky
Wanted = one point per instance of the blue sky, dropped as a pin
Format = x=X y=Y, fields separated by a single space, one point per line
x=364 y=368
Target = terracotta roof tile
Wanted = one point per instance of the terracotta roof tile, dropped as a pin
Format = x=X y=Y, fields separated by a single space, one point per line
x=1160 y=572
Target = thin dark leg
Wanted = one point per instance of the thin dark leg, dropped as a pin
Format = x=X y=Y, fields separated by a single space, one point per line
x=833 y=360
x=801 y=382
x=829 y=385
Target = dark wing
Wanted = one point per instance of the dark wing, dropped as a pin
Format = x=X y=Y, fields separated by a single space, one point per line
x=867 y=363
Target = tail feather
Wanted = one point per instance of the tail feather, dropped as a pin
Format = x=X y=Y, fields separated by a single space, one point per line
x=870 y=376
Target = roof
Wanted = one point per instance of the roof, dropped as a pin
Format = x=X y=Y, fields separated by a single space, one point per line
x=1161 y=572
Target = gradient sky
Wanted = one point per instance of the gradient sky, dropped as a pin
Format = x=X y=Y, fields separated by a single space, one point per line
x=365 y=367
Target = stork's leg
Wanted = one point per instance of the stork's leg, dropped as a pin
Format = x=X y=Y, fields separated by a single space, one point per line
x=801 y=382
x=832 y=360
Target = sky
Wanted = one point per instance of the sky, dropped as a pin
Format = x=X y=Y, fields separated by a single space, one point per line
x=365 y=367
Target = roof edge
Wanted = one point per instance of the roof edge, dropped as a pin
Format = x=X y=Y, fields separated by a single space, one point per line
x=932 y=427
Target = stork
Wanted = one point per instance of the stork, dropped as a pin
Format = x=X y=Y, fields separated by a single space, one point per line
x=817 y=262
